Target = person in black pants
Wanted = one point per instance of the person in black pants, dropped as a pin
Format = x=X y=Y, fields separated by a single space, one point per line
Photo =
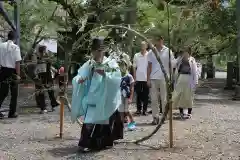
x=44 y=82
x=142 y=91
x=9 y=73
x=140 y=64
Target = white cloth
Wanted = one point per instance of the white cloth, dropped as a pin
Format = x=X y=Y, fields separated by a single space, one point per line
x=164 y=56
x=9 y=54
x=140 y=62
x=199 y=69
x=183 y=93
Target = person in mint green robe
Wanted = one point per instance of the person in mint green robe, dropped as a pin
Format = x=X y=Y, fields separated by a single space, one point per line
x=96 y=98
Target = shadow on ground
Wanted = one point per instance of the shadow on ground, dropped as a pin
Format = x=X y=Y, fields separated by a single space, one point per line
x=73 y=152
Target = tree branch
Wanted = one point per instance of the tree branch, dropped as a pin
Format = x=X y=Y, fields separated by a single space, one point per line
x=67 y=7
x=219 y=50
x=36 y=39
x=5 y=16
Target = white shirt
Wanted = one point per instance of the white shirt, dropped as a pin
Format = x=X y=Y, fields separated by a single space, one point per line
x=140 y=62
x=9 y=54
x=199 y=69
x=164 y=56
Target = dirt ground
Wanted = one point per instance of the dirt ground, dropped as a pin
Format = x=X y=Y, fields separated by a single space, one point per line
x=211 y=134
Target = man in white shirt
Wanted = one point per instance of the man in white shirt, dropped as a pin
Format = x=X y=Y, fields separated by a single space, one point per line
x=155 y=77
x=140 y=64
x=10 y=58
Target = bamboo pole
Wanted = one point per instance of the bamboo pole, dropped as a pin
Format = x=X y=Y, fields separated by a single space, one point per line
x=170 y=86
x=61 y=116
x=63 y=91
x=170 y=125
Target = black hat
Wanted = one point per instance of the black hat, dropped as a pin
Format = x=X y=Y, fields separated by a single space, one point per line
x=11 y=35
x=98 y=43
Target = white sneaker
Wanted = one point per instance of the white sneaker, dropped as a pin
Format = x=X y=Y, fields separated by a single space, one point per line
x=43 y=111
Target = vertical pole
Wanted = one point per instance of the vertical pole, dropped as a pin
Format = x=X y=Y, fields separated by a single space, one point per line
x=17 y=21
x=238 y=36
x=61 y=116
x=170 y=86
x=237 y=89
x=63 y=91
x=66 y=60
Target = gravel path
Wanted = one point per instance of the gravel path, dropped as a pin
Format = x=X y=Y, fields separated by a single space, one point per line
x=212 y=134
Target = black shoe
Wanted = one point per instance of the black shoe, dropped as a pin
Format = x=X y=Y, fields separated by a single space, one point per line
x=138 y=113
x=55 y=105
x=144 y=113
x=150 y=112
x=1 y=115
x=182 y=116
x=84 y=150
x=189 y=116
x=12 y=115
x=43 y=111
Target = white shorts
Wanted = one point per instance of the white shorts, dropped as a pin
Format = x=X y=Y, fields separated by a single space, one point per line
x=124 y=107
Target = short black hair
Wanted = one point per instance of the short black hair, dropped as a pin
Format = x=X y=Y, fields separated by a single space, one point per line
x=41 y=49
x=97 y=43
x=11 y=35
x=158 y=38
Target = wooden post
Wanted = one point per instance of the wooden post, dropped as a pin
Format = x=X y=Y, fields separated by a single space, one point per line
x=230 y=74
x=170 y=123
x=61 y=116
x=170 y=85
x=203 y=71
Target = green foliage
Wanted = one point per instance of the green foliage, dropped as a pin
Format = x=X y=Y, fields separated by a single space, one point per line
x=35 y=15
x=192 y=23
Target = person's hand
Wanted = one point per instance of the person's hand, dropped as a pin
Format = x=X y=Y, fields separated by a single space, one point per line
x=149 y=83
x=129 y=100
x=100 y=71
x=18 y=77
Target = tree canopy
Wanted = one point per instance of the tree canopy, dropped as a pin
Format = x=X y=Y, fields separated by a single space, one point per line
x=209 y=27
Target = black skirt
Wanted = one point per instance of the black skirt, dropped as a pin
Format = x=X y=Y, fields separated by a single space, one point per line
x=100 y=136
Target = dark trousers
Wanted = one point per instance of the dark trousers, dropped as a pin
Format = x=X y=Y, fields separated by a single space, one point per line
x=44 y=84
x=142 y=91
x=61 y=81
x=8 y=80
x=189 y=110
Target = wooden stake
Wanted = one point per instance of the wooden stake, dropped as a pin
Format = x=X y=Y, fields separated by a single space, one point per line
x=170 y=125
x=61 y=116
